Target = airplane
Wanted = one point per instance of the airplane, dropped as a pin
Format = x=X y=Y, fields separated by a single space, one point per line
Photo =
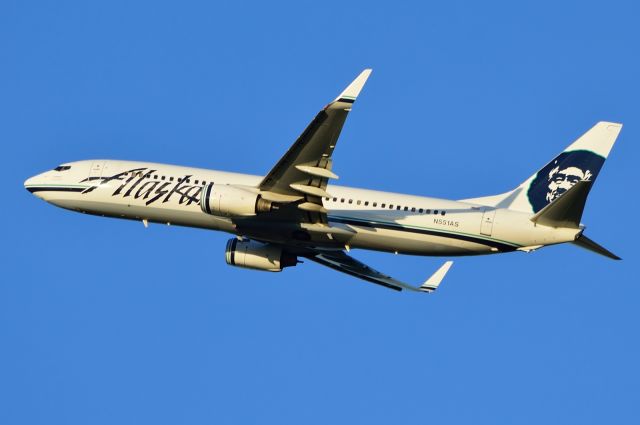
x=293 y=212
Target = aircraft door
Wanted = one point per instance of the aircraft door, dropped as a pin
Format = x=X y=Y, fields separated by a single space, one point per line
x=95 y=172
x=486 y=226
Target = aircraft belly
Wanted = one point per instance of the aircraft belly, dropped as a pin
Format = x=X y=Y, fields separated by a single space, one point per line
x=180 y=216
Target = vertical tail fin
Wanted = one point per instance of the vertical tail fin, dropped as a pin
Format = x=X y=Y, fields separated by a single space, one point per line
x=582 y=160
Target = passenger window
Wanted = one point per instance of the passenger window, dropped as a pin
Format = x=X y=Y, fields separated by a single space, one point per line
x=435 y=212
x=383 y=205
x=335 y=199
x=170 y=178
x=196 y=182
x=428 y=211
x=358 y=202
x=351 y=201
x=390 y=206
x=375 y=204
x=442 y=213
x=413 y=210
x=420 y=210
x=162 y=177
x=341 y=199
x=366 y=203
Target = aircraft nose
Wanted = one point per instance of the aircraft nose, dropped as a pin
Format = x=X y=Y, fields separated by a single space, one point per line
x=29 y=182
x=33 y=182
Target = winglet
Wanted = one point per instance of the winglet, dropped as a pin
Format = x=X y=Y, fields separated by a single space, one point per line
x=350 y=94
x=433 y=282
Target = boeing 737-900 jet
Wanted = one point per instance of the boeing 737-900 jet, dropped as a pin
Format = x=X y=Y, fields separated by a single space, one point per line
x=293 y=212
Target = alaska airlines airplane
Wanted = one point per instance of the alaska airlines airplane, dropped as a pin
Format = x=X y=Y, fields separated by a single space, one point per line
x=294 y=212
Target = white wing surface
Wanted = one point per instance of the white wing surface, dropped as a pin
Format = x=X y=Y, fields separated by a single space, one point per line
x=303 y=172
x=342 y=262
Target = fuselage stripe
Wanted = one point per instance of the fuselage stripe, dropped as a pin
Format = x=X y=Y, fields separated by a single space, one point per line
x=34 y=189
x=394 y=226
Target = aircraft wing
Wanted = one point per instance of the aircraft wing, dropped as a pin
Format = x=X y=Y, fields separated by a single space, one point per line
x=303 y=172
x=342 y=262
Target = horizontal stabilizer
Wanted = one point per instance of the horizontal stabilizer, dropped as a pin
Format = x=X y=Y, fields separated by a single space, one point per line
x=586 y=243
x=565 y=211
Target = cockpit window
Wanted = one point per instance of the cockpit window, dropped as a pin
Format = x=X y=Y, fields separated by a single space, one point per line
x=62 y=167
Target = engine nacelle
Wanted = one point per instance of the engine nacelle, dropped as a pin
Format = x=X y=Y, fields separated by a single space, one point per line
x=231 y=201
x=259 y=256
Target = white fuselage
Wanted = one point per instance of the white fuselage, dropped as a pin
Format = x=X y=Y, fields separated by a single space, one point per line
x=380 y=221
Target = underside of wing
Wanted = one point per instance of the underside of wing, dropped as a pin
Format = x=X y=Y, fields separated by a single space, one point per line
x=297 y=183
x=342 y=262
x=303 y=172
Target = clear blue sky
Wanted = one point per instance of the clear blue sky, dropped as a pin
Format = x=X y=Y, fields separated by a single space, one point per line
x=103 y=321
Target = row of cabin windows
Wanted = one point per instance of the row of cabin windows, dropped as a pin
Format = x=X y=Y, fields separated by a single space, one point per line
x=350 y=201
x=390 y=206
x=160 y=177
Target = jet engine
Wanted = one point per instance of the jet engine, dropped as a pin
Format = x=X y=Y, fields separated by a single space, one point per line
x=231 y=201
x=259 y=256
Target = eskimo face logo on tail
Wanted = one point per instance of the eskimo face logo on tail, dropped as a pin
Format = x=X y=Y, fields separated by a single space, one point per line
x=561 y=174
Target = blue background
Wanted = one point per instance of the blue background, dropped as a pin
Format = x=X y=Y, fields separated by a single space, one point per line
x=103 y=321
